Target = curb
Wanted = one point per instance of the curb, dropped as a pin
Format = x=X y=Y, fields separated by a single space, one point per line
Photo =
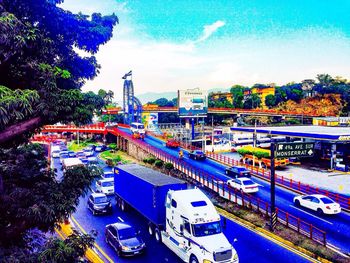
x=285 y=243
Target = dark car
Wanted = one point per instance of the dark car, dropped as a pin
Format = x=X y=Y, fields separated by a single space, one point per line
x=98 y=203
x=124 y=239
x=101 y=148
x=237 y=171
x=197 y=155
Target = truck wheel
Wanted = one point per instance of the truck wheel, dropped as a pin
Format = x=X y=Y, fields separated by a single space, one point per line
x=150 y=229
x=158 y=235
x=193 y=259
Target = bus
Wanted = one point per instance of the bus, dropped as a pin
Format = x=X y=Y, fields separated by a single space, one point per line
x=137 y=127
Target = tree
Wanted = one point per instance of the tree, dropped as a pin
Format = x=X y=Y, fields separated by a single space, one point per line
x=270 y=100
x=325 y=79
x=38 y=57
x=237 y=95
x=32 y=197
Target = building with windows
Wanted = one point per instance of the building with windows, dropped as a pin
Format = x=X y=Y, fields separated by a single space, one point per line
x=261 y=91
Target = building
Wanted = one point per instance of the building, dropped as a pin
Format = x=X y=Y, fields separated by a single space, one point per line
x=331 y=121
x=262 y=92
x=221 y=95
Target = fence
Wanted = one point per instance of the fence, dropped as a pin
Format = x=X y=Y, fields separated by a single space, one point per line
x=344 y=201
x=211 y=182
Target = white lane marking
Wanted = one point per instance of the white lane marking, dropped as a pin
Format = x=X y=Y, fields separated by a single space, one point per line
x=120 y=219
x=311 y=214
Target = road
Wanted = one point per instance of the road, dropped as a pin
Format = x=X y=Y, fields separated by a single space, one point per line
x=250 y=245
x=336 y=226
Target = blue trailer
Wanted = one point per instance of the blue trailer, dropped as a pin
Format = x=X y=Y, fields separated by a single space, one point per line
x=144 y=190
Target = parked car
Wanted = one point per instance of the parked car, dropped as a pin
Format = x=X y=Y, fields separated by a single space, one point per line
x=172 y=143
x=100 y=148
x=124 y=239
x=98 y=203
x=237 y=171
x=72 y=154
x=197 y=155
x=244 y=185
x=319 y=203
x=105 y=186
x=108 y=175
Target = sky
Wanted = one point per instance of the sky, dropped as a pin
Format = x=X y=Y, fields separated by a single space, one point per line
x=177 y=44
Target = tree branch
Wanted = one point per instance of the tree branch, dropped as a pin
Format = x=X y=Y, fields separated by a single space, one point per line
x=18 y=129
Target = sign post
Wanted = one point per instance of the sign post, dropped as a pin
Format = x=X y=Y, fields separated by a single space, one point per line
x=285 y=150
x=273 y=218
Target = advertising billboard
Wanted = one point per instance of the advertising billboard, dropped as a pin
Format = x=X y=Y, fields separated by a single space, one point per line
x=150 y=120
x=193 y=103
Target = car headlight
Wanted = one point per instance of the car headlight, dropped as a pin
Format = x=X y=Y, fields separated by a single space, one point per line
x=206 y=261
x=235 y=257
x=124 y=248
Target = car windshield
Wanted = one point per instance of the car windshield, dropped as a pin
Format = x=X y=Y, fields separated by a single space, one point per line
x=101 y=199
x=206 y=229
x=248 y=182
x=126 y=233
x=106 y=184
x=326 y=200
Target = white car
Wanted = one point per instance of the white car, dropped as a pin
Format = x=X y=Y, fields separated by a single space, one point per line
x=105 y=186
x=319 y=203
x=89 y=152
x=108 y=175
x=244 y=185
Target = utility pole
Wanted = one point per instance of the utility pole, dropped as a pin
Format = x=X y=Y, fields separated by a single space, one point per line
x=273 y=218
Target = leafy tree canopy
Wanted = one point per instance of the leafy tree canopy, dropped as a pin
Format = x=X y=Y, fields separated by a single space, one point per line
x=41 y=72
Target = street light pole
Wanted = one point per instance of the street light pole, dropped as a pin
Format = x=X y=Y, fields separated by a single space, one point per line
x=273 y=218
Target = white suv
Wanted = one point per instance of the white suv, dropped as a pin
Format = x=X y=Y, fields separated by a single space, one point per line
x=105 y=186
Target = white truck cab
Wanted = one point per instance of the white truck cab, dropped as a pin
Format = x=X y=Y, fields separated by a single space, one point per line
x=193 y=229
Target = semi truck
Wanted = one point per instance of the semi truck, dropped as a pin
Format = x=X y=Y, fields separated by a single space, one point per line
x=185 y=220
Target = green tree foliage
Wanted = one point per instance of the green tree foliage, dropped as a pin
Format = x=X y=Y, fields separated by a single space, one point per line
x=252 y=102
x=238 y=96
x=31 y=196
x=270 y=101
x=38 y=57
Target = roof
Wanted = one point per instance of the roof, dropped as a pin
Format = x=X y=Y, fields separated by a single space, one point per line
x=98 y=194
x=151 y=176
x=311 y=132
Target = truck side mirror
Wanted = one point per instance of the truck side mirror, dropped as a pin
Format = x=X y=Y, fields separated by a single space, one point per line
x=182 y=229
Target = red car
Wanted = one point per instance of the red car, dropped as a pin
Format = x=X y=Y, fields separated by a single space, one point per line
x=172 y=144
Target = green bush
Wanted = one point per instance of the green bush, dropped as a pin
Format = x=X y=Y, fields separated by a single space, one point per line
x=169 y=166
x=158 y=163
x=145 y=160
x=151 y=160
x=113 y=147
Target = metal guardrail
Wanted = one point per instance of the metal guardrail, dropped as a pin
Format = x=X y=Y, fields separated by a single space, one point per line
x=344 y=201
x=213 y=183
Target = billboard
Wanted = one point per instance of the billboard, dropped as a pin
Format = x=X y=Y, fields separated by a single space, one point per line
x=150 y=120
x=193 y=103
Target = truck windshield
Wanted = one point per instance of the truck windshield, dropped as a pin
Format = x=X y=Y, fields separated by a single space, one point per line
x=206 y=229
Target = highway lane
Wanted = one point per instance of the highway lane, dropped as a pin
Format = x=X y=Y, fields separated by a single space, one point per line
x=250 y=245
x=337 y=227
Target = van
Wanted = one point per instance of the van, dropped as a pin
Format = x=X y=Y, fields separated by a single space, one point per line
x=70 y=163
x=55 y=151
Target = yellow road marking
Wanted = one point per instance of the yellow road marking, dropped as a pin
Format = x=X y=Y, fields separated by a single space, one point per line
x=97 y=246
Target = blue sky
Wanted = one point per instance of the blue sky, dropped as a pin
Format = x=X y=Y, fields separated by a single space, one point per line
x=179 y=44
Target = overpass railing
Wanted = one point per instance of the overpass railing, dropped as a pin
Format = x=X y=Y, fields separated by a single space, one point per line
x=344 y=201
x=223 y=190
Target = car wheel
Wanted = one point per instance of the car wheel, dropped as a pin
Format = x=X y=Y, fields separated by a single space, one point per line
x=297 y=203
x=158 y=235
x=319 y=211
x=150 y=229
x=193 y=259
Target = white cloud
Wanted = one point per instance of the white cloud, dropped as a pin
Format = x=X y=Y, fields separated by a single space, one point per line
x=209 y=30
